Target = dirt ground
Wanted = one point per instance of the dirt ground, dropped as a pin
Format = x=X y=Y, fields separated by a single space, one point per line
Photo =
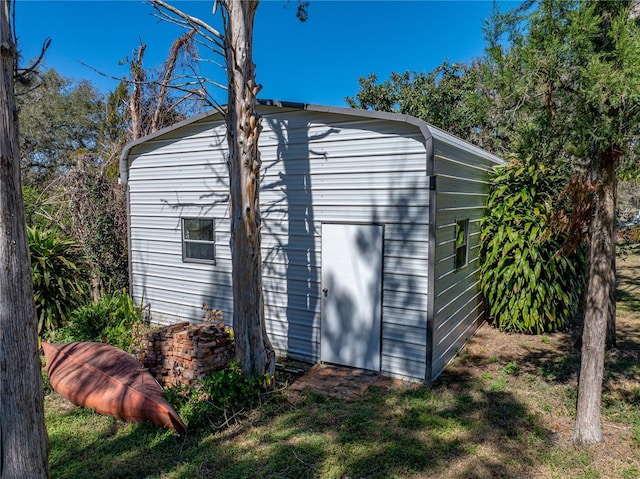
x=545 y=380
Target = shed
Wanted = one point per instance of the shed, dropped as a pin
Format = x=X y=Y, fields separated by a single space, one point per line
x=370 y=235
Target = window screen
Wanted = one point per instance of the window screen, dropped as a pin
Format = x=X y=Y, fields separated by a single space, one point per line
x=198 y=240
x=462 y=243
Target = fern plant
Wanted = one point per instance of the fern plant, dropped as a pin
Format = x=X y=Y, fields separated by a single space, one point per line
x=60 y=277
x=530 y=285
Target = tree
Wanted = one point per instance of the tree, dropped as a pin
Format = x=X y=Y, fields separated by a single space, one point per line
x=614 y=70
x=23 y=437
x=152 y=103
x=60 y=119
x=97 y=212
x=140 y=105
x=569 y=73
x=253 y=348
x=69 y=149
x=71 y=139
x=563 y=84
x=61 y=122
x=453 y=97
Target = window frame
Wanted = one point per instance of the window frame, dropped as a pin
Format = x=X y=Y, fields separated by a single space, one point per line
x=461 y=249
x=186 y=241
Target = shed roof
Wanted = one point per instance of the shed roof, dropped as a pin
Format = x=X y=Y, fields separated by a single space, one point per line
x=429 y=132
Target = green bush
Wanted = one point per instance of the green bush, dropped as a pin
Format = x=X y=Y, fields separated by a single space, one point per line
x=530 y=285
x=100 y=204
x=60 y=277
x=38 y=209
x=216 y=399
x=111 y=320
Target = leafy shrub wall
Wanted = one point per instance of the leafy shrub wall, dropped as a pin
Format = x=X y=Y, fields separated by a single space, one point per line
x=530 y=285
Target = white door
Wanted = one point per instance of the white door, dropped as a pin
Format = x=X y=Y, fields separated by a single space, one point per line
x=351 y=295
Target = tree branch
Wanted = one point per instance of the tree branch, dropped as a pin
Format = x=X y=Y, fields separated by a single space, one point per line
x=135 y=103
x=194 y=22
x=177 y=45
x=22 y=75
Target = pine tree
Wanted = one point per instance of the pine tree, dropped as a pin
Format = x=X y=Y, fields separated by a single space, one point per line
x=568 y=73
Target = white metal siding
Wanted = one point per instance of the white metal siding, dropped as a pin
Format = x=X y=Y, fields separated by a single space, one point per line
x=317 y=167
x=462 y=186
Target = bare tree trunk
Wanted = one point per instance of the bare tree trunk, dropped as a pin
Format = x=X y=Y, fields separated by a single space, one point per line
x=253 y=348
x=169 y=66
x=135 y=102
x=634 y=10
x=611 y=317
x=601 y=278
x=23 y=437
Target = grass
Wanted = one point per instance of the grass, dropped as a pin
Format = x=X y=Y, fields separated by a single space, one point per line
x=504 y=408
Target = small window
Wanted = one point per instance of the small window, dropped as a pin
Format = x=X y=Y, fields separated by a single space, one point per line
x=462 y=243
x=198 y=243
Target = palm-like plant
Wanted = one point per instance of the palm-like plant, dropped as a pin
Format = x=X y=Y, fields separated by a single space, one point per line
x=60 y=277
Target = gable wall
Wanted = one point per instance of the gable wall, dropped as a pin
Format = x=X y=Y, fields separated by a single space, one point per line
x=317 y=167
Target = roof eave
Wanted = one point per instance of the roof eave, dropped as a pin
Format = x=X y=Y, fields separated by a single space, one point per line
x=425 y=128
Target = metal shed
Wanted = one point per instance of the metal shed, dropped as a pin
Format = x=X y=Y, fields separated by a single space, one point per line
x=370 y=233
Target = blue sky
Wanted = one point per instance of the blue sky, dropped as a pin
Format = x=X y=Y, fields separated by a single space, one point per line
x=318 y=62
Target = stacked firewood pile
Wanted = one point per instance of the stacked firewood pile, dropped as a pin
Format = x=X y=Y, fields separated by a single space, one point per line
x=185 y=352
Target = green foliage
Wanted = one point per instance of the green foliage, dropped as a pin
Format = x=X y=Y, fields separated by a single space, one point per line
x=387 y=432
x=46 y=383
x=512 y=368
x=567 y=73
x=217 y=398
x=38 y=210
x=546 y=340
x=107 y=240
x=59 y=121
x=114 y=127
x=530 y=284
x=70 y=139
x=452 y=96
x=110 y=320
x=100 y=223
x=59 y=274
x=569 y=76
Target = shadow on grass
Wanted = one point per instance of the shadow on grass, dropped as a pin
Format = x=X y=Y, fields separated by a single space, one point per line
x=555 y=358
x=462 y=427
x=388 y=433
x=400 y=432
x=107 y=448
x=632 y=301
